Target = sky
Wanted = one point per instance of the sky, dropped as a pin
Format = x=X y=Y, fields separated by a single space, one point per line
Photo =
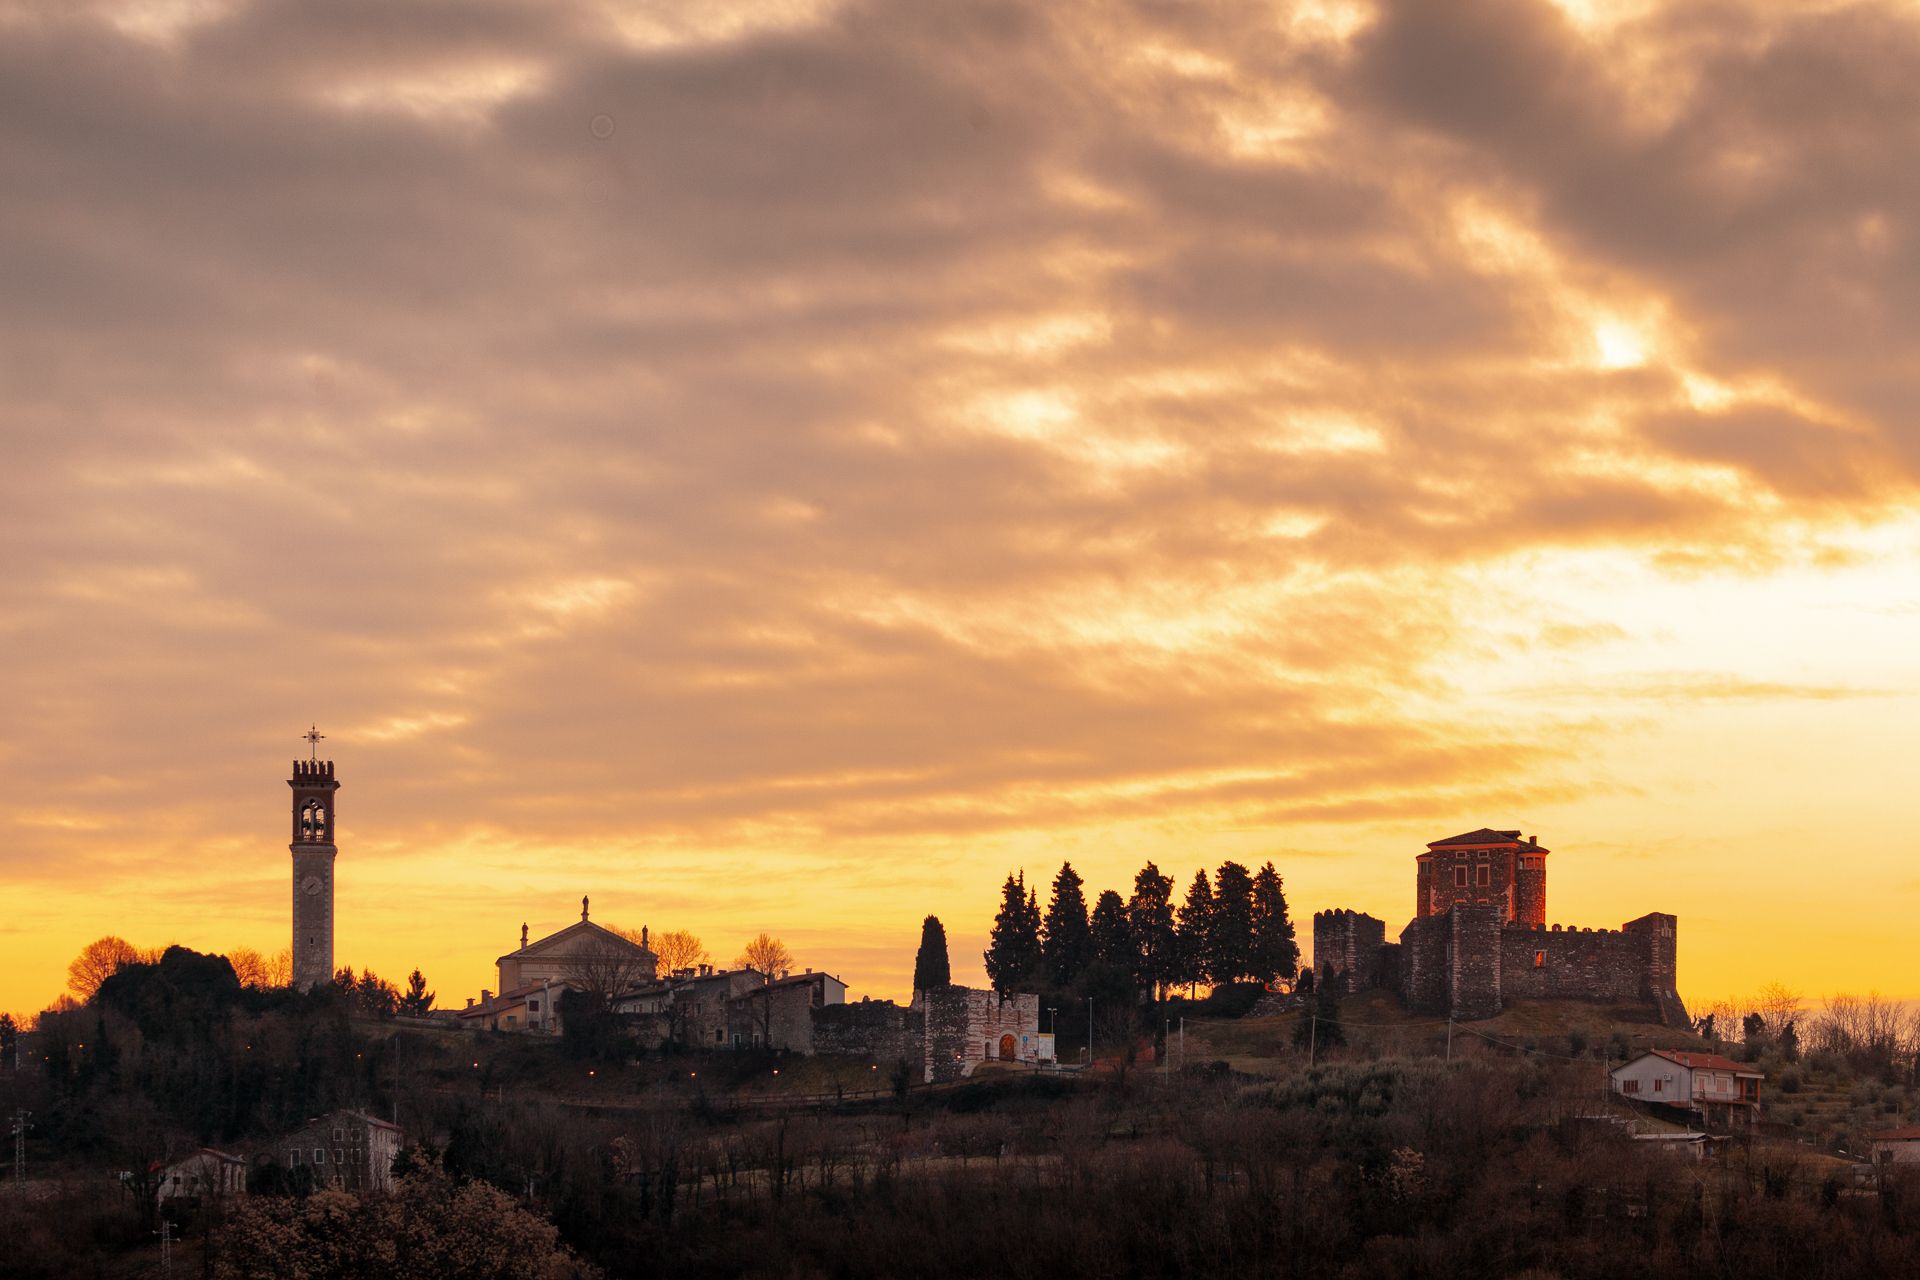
x=787 y=464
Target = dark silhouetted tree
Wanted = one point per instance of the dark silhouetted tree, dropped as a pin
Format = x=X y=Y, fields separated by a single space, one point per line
x=1013 y=953
x=931 y=968
x=418 y=1001
x=1194 y=925
x=1231 y=937
x=1150 y=915
x=1065 y=940
x=1110 y=934
x=1323 y=1008
x=1275 y=949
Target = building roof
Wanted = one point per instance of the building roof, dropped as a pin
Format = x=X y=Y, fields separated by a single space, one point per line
x=1487 y=836
x=1909 y=1133
x=505 y=1000
x=1706 y=1062
x=606 y=937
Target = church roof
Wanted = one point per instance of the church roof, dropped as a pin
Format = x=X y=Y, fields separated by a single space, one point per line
x=578 y=929
x=1486 y=836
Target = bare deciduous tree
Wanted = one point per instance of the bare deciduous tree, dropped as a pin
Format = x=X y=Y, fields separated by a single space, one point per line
x=603 y=968
x=767 y=954
x=98 y=961
x=678 y=949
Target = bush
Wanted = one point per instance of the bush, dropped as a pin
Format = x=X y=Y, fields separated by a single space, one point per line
x=1790 y=1081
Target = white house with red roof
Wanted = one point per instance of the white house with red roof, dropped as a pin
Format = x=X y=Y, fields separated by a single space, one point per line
x=1716 y=1088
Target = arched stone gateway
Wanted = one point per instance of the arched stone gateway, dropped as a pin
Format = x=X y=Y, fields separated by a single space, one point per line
x=1009 y=1047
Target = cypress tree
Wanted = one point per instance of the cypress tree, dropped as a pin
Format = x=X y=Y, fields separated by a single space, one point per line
x=930 y=966
x=1065 y=941
x=1275 y=949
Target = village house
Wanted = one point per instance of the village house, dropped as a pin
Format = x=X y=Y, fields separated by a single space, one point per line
x=1721 y=1091
x=345 y=1151
x=1895 y=1146
x=779 y=1014
x=202 y=1176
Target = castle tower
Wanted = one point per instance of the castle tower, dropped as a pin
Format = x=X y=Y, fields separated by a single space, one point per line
x=1485 y=868
x=313 y=852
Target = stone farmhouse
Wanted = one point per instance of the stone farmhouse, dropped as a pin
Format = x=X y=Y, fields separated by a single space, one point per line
x=205 y=1175
x=345 y=1151
x=1479 y=937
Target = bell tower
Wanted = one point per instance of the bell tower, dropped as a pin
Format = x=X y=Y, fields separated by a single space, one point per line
x=313 y=852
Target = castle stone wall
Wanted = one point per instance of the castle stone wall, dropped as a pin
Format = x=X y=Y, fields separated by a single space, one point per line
x=878 y=1030
x=965 y=1026
x=1575 y=964
x=1347 y=949
x=1474 y=968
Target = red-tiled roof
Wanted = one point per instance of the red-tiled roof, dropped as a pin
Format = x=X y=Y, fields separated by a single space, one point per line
x=1911 y=1133
x=1704 y=1061
x=1486 y=836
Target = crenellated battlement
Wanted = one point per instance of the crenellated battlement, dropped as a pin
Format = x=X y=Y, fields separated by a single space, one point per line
x=1480 y=936
x=312 y=773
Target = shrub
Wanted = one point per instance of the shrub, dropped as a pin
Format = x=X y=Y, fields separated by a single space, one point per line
x=1790 y=1080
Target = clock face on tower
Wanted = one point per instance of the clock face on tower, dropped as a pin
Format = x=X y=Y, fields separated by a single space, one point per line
x=310 y=886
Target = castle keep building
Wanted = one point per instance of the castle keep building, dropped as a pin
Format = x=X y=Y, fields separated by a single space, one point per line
x=1479 y=937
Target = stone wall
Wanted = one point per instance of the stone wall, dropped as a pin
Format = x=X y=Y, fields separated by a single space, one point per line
x=1474 y=960
x=1346 y=949
x=878 y=1030
x=965 y=1026
x=1424 y=973
x=1576 y=964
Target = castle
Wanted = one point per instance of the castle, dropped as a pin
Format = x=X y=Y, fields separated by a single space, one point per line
x=1479 y=936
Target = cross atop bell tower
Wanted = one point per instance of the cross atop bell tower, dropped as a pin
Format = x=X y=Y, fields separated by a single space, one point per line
x=313 y=852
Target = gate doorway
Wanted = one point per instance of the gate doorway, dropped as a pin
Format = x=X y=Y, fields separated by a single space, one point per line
x=1009 y=1049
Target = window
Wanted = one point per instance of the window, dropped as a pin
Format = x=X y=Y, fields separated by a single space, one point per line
x=719 y=1036
x=1539 y=959
x=1659 y=1086
x=336 y=1156
x=533 y=1006
x=1481 y=875
x=511 y=1019
x=1459 y=877
x=319 y=1155
x=339 y=1135
x=293 y=1157
x=1629 y=1086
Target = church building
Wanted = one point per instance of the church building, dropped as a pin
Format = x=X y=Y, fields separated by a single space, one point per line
x=583 y=956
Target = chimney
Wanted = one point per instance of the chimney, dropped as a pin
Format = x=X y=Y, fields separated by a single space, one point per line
x=809 y=970
x=469 y=1002
x=485 y=995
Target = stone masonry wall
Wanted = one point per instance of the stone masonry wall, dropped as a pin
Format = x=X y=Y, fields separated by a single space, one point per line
x=1346 y=949
x=878 y=1030
x=1424 y=977
x=1575 y=964
x=1475 y=968
x=964 y=1026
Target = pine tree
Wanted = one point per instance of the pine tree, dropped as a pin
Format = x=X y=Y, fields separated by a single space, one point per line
x=931 y=968
x=1013 y=954
x=1232 y=933
x=1323 y=1009
x=1065 y=942
x=1110 y=935
x=1195 y=927
x=1150 y=915
x=1275 y=949
x=418 y=1001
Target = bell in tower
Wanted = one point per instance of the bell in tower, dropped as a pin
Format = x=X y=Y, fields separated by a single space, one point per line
x=313 y=852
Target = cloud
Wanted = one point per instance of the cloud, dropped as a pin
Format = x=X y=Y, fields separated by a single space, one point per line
x=898 y=429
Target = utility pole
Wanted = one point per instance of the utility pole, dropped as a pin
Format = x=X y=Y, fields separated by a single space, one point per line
x=1449 y=1037
x=1313 y=1035
x=20 y=1127
x=1089 y=1031
x=166 y=1247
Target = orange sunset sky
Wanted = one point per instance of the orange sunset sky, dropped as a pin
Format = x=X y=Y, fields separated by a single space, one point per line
x=784 y=465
